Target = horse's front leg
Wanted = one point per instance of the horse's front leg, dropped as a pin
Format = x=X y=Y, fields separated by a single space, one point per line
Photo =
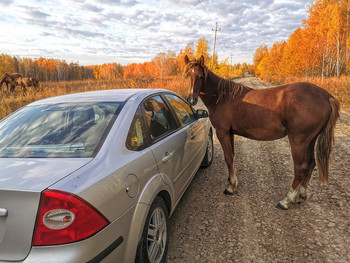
x=227 y=143
x=12 y=88
x=24 y=90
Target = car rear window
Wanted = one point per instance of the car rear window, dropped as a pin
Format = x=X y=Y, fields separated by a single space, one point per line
x=70 y=130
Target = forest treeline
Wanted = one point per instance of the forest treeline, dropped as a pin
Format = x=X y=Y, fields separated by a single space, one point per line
x=165 y=64
x=319 y=48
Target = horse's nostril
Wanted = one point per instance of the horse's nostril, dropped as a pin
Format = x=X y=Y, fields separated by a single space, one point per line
x=194 y=101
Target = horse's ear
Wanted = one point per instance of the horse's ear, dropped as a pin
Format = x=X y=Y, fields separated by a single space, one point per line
x=186 y=59
x=201 y=60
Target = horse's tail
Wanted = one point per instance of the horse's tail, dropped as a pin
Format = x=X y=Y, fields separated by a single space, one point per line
x=325 y=142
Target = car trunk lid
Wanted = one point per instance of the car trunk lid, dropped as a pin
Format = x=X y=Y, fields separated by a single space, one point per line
x=21 y=183
x=16 y=223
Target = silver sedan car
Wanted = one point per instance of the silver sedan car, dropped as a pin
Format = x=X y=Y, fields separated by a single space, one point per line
x=94 y=177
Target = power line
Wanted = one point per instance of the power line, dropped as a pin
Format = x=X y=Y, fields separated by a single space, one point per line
x=199 y=17
x=205 y=10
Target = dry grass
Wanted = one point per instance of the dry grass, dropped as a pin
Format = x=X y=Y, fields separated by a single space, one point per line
x=338 y=87
x=11 y=102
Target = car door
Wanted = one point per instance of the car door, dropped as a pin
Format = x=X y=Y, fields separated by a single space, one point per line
x=167 y=141
x=173 y=143
x=139 y=166
x=195 y=143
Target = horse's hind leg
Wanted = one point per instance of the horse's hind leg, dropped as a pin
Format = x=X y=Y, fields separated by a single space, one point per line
x=227 y=143
x=311 y=155
x=304 y=163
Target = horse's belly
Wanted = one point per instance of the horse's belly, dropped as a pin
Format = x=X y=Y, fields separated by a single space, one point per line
x=262 y=134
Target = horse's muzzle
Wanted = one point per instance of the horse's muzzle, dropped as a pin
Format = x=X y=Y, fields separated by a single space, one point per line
x=192 y=101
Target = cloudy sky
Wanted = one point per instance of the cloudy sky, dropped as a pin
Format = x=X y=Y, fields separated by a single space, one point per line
x=127 y=31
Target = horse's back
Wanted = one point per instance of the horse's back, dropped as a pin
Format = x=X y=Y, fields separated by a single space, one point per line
x=286 y=97
x=16 y=75
x=305 y=95
x=306 y=89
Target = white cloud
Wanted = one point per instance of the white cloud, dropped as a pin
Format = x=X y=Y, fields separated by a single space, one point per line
x=126 y=31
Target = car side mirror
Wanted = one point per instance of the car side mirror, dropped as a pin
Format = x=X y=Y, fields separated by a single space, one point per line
x=202 y=114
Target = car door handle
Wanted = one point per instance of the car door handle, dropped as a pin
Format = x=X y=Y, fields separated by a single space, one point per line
x=167 y=157
x=193 y=136
x=3 y=212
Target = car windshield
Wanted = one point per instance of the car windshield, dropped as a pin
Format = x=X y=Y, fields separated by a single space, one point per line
x=65 y=130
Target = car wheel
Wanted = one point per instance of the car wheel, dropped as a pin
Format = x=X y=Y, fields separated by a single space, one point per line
x=209 y=155
x=155 y=237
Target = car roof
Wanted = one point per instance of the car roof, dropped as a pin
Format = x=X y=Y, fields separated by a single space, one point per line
x=119 y=95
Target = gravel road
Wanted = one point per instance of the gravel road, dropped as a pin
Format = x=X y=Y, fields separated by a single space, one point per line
x=208 y=226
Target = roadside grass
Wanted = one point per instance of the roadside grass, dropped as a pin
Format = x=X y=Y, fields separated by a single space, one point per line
x=338 y=87
x=11 y=102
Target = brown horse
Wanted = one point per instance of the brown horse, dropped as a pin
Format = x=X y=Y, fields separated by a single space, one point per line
x=304 y=112
x=24 y=83
x=35 y=82
x=10 y=79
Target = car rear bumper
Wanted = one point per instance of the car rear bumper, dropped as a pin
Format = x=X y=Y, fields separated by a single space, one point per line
x=107 y=251
x=108 y=245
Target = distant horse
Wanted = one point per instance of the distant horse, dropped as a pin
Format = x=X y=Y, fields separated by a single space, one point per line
x=10 y=79
x=302 y=111
x=35 y=82
x=24 y=83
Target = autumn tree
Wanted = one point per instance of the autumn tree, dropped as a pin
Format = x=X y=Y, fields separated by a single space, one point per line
x=180 y=59
x=319 y=48
x=202 y=49
x=260 y=53
x=165 y=63
x=7 y=64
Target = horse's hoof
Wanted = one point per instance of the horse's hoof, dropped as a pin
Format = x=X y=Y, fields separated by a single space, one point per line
x=302 y=197
x=227 y=192
x=279 y=206
x=299 y=200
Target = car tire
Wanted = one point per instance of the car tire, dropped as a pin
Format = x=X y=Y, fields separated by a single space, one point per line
x=209 y=154
x=155 y=236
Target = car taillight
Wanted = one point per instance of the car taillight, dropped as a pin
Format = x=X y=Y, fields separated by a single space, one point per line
x=64 y=218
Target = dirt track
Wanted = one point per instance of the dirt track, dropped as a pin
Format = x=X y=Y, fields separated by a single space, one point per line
x=208 y=226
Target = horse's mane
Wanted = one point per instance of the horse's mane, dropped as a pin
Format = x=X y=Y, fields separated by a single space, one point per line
x=228 y=89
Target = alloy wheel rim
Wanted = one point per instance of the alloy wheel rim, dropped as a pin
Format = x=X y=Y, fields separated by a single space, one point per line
x=156 y=235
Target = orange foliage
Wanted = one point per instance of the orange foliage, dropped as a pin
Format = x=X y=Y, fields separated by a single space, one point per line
x=319 y=48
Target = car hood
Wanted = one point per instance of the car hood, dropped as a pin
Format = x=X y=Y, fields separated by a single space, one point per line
x=27 y=174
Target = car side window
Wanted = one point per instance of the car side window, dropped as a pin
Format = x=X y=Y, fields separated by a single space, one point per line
x=159 y=118
x=183 y=111
x=136 y=136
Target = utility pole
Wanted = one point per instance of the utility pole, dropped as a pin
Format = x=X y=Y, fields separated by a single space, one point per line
x=216 y=29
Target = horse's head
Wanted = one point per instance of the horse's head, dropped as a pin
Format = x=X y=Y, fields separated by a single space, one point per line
x=195 y=70
x=34 y=82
